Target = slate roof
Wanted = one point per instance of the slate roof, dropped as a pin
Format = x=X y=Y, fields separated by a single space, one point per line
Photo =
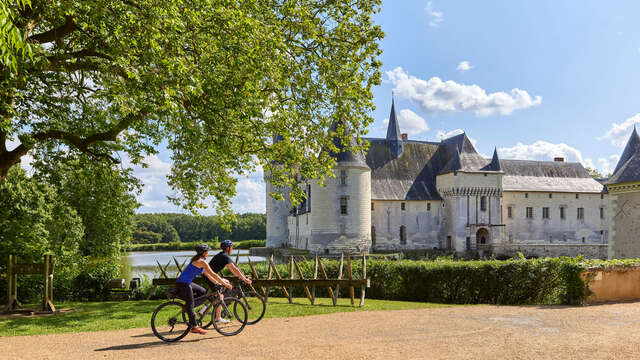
x=628 y=167
x=552 y=176
x=346 y=158
x=393 y=130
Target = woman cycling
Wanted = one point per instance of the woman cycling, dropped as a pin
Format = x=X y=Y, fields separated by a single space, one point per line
x=187 y=290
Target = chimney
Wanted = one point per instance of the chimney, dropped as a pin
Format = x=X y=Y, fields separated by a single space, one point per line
x=404 y=136
x=558 y=159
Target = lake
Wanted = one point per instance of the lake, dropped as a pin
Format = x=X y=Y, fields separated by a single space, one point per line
x=145 y=263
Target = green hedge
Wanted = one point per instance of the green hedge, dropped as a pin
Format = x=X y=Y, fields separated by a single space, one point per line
x=509 y=282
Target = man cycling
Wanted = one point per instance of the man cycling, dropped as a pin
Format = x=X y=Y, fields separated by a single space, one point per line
x=219 y=262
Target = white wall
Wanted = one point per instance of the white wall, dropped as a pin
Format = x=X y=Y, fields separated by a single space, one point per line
x=423 y=228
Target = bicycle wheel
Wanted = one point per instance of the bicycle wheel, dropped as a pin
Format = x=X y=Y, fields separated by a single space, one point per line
x=169 y=322
x=231 y=321
x=256 y=307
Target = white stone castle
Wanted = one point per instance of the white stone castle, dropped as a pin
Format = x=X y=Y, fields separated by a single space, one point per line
x=419 y=195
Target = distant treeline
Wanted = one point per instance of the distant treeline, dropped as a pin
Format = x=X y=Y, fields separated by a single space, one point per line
x=174 y=228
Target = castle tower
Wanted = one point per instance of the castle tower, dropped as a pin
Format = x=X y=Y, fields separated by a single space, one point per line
x=277 y=212
x=341 y=210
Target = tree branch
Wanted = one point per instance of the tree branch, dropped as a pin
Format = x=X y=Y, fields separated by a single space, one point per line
x=55 y=34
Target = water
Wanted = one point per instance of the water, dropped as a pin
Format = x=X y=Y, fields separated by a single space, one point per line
x=145 y=263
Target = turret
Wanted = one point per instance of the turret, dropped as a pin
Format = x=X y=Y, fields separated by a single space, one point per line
x=394 y=137
x=277 y=212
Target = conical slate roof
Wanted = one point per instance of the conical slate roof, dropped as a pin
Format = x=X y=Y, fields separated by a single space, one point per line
x=632 y=147
x=342 y=156
x=393 y=130
x=494 y=165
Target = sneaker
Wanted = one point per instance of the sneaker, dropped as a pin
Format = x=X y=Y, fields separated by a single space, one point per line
x=198 y=330
x=223 y=321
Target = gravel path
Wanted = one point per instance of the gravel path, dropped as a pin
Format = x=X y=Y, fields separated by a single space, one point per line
x=609 y=331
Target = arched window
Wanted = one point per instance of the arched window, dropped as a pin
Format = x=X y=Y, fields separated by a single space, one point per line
x=403 y=235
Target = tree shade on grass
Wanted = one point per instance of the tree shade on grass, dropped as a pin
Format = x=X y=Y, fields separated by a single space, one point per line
x=100 y=316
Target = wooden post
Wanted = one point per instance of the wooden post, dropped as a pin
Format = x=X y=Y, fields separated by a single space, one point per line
x=324 y=274
x=255 y=276
x=364 y=276
x=178 y=265
x=269 y=274
x=291 y=277
x=335 y=300
x=47 y=300
x=350 y=278
x=275 y=270
x=306 y=288
x=315 y=276
x=237 y=257
x=162 y=270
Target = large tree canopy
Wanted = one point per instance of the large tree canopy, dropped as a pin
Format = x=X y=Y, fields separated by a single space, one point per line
x=213 y=80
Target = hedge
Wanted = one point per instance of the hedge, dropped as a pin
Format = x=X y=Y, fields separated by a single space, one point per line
x=506 y=282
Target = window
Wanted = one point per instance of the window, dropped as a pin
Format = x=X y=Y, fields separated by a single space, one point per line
x=372 y=207
x=428 y=206
x=550 y=239
x=529 y=213
x=550 y=196
x=402 y=207
x=373 y=236
x=483 y=203
x=562 y=213
x=545 y=212
x=448 y=244
x=343 y=177
x=309 y=197
x=526 y=195
x=601 y=196
x=403 y=235
x=584 y=239
x=580 y=213
x=510 y=212
x=343 y=205
x=510 y=238
x=601 y=213
x=564 y=237
x=577 y=196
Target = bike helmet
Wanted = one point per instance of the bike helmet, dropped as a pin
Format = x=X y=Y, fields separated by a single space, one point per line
x=202 y=248
x=225 y=244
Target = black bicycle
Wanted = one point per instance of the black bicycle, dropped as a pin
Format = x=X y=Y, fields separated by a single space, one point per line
x=253 y=302
x=170 y=321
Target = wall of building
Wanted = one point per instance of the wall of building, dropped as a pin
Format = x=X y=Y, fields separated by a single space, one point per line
x=554 y=230
x=277 y=212
x=625 y=224
x=333 y=232
x=422 y=221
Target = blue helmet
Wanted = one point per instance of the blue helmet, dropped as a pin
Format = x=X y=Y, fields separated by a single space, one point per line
x=225 y=244
x=202 y=248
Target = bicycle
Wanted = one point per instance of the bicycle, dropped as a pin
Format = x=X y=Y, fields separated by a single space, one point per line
x=170 y=321
x=254 y=302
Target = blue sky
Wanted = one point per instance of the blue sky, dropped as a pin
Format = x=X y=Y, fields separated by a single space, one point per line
x=536 y=79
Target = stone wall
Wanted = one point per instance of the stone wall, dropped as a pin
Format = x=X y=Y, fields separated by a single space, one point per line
x=422 y=221
x=538 y=230
x=625 y=225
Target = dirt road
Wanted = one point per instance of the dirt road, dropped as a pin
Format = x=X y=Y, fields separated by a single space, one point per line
x=475 y=332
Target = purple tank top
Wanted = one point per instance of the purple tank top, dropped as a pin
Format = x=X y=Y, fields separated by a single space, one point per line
x=189 y=273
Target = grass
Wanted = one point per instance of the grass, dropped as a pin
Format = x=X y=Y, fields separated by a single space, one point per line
x=82 y=316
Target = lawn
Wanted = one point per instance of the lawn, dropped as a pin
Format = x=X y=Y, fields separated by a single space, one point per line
x=98 y=316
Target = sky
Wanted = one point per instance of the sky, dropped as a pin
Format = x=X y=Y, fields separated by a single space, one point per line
x=534 y=79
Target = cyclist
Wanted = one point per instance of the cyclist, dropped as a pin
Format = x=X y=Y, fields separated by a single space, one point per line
x=187 y=290
x=222 y=260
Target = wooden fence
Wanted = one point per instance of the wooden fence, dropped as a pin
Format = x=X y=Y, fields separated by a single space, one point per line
x=287 y=284
x=14 y=269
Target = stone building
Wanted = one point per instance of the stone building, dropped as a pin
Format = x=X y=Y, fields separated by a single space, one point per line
x=420 y=195
x=624 y=196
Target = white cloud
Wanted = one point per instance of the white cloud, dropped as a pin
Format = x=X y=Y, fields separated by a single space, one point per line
x=251 y=195
x=436 y=17
x=26 y=160
x=435 y=95
x=619 y=133
x=543 y=150
x=409 y=122
x=464 y=66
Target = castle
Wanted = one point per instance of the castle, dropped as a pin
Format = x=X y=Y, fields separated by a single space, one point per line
x=419 y=195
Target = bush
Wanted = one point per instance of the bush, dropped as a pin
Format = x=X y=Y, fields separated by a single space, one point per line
x=510 y=282
x=89 y=284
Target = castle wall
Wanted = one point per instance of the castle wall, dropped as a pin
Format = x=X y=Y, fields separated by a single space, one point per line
x=331 y=231
x=554 y=230
x=277 y=212
x=624 y=221
x=422 y=221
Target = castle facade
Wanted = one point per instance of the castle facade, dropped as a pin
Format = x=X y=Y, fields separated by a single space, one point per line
x=419 y=195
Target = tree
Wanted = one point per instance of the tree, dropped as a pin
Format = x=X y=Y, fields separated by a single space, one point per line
x=594 y=173
x=216 y=80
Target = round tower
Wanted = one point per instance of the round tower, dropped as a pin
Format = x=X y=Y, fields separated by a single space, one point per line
x=277 y=213
x=341 y=210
